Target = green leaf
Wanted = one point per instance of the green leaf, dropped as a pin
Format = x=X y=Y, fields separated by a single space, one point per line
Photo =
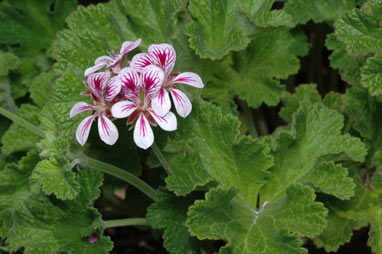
x=365 y=111
x=41 y=88
x=43 y=225
x=338 y=232
x=170 y=213
x=14 y=188
x=18 y=138
x=371 y=76
x=232 y=161
x=54 y=177
x=303 y=93
x=223 y=215
x=272 y=55
x=332 y=179
x=8 y=62
x=210 y=37
x=349 y=66
x=182 y=180
x=302 y=11
x=316 y=132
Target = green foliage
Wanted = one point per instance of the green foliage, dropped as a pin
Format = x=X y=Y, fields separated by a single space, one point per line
x=223 y=216
x=53 y=176
x=41 y=88
x=14 y=188
x=170 y=212
x=53 y=226
x=17 y=138
x=210 y=37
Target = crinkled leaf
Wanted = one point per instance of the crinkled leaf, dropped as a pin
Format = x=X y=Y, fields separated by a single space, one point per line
x=43 y=225
x=41 y=88
x=272 y=55
x=17 y=138
x=338 y=231
x=365 y=110
x=231 y=161
x=210 y=37
x=170 y=213
x=316 y=132
x=14 y=188
x=223 y=215
x=8 y=62
x=371 y=76
x=54 y=177
x=332 y=179
x=187 y=173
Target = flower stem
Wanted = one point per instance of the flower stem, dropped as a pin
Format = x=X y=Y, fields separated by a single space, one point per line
x=160 y=157
x=88 y=161
x=126 y=222
x=21 y=122
x=119 y=173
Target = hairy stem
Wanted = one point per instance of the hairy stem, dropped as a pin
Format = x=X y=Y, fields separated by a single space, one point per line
x=126 y=222
x=160 y=157
x=22 y=122
x=88 y=161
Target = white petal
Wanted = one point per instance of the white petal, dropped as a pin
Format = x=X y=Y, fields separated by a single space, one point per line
x=164 y=55
x=79 y=107
x=107 y=130
x=167 y=122
x=83 y=129
x=97 y=82
x=112 y=89
x=182 y=103
x=140 y=61
x=152 y=79
x=161 y=103
x=143 y=134
x=123 y=109
x=130 y=82
x=94 y=68
x=103 y=59
x=188 y=78
x=128 y=46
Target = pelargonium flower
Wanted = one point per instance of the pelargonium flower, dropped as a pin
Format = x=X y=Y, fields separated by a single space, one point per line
x=164 y=56
x=139 y=90
x=103 y=90
x=114 y=60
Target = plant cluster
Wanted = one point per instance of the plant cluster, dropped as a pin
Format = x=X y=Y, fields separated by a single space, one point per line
x=218 y=179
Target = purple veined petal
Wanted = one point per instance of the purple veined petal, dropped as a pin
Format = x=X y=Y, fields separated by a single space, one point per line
x=152 y=79
x=167 y=122
x=94 y=68
x=130 y=83
x=97 y=83
x=112 y=89
x=80 y=107
x=164 y=55
x=83 y=129
x=188 y=78
x=161 y=103
x=143 y=134
x=123 y=109
x=128 y=46
x=103 y=59
x=140 y=61
x=182 y=104
x=107 y=130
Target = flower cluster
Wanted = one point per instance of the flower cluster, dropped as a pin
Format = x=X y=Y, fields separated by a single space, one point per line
x=138 y=89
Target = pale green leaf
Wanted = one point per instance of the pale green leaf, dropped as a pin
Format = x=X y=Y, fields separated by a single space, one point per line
x=215 y=32
x=41 y=88
x=332 y=179
x=223 y=215
x=54 y=177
